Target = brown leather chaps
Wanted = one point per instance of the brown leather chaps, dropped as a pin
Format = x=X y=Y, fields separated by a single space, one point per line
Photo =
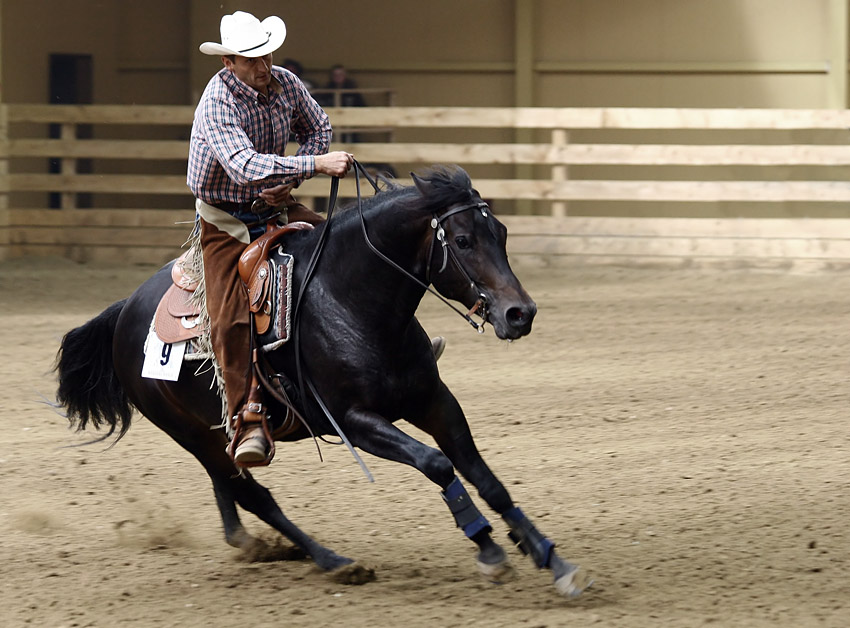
x=227 y=305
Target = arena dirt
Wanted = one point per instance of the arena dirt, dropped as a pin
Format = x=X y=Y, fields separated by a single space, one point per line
x=681 y=433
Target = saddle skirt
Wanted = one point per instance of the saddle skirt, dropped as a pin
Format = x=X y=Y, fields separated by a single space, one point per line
x=178 y=316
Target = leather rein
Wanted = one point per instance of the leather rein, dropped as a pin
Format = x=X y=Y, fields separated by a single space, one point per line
x=480 y=306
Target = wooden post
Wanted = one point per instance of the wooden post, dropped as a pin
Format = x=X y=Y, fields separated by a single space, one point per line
x=4 y=158
x=4 y=133
x=560 y=137
x=68 y=165
x=524 y=83
x=4 y=161
x=838 y=53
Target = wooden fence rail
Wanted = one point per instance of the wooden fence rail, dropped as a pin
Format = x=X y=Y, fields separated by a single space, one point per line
x=542 y=165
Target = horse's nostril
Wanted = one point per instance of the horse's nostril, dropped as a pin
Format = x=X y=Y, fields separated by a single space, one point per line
x=520 y=317
x=516 y=315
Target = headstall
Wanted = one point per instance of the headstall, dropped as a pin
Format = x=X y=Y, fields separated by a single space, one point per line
x=480 y=306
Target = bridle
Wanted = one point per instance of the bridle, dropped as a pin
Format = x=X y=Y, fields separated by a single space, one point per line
x=479 y=308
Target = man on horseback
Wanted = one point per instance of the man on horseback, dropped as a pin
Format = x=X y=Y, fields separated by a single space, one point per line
x=242 y=125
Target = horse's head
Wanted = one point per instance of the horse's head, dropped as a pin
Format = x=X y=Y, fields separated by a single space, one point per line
x=467 y=260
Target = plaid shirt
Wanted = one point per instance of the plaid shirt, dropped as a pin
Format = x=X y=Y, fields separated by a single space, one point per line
x=239 y=137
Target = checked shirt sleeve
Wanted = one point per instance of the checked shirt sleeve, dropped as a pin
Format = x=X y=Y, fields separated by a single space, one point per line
x=235 y=152
x=310 y=124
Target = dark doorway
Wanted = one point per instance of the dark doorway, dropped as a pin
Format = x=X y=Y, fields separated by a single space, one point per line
x=70 y=84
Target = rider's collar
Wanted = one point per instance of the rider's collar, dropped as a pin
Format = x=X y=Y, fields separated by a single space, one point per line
x=238 y=87
x=275 y=86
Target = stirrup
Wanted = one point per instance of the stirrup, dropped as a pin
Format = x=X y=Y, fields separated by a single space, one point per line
x=252 y=450
x=257 y=450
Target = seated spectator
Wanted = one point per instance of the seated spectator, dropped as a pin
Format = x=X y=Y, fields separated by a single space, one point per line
x=339 y=80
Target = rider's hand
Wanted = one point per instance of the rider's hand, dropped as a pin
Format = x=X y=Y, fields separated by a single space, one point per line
x=336 y=164
x=278 y=195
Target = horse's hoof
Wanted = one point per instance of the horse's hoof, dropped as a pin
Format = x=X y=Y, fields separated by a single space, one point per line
x=256 y=550
x=572 y=583
x=494 y=564
x=497 y=573
x=353 y=574
x=240 y=539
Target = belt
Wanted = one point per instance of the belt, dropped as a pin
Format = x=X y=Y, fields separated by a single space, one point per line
x=233 y=208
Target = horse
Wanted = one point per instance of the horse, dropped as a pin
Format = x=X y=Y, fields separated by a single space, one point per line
x=367 y=360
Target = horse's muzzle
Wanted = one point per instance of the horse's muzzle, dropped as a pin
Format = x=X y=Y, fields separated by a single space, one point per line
x=517 y=321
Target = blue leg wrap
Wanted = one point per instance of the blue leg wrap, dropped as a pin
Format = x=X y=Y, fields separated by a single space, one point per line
x=467 y=516
x=527 y=538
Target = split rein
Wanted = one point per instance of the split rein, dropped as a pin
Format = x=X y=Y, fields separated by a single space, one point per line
x=480 y=306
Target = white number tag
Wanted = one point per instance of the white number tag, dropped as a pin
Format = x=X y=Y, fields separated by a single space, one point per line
x=162 y=361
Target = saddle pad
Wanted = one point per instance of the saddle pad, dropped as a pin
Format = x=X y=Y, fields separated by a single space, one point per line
x=283 y=313
x=176 y=319
x=280 y=295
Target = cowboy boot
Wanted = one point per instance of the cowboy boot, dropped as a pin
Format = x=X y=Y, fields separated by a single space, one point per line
x=253 y=446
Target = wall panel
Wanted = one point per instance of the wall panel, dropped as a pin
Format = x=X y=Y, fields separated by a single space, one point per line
x=671 y=52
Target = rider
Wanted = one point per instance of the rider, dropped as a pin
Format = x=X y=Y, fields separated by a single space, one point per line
x=236 y=155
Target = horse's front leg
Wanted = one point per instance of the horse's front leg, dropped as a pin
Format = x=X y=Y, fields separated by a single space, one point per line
x=374 y=434
x=445 y=421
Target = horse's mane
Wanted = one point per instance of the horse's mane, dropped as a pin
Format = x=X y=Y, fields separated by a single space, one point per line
x=443 y=185
x=448 y=185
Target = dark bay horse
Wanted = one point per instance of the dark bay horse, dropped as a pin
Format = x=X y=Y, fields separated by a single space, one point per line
x=363 y=351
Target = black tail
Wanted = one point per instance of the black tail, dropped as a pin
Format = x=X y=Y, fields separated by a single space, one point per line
x=89 y=389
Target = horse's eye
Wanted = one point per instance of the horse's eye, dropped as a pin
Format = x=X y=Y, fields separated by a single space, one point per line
x=462 y=242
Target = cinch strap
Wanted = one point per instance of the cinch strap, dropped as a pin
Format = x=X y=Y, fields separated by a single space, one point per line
x=527 y=538
x=466 y=514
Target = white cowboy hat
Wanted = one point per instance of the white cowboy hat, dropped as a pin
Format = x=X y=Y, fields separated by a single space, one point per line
x=244 y=35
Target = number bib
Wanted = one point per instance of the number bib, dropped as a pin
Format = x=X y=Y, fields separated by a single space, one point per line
x=162 y=360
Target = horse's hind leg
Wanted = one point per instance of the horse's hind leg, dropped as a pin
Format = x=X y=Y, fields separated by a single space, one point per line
x=234 y=533
x=233 y=488
x=257 y=499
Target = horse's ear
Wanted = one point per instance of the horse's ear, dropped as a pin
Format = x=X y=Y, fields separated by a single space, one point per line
x=423 y=185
